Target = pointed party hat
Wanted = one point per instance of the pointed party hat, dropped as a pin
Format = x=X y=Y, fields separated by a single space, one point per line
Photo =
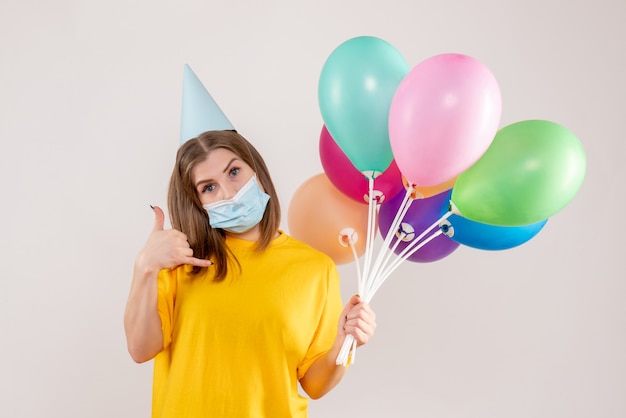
x=200 y=113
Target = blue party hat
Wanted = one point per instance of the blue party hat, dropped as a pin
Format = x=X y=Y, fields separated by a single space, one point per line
x=200 y=113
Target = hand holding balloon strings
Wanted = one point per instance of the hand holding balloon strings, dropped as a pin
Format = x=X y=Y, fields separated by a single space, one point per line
x=375 y=272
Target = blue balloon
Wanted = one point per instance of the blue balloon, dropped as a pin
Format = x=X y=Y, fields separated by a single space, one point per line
x=487 y=237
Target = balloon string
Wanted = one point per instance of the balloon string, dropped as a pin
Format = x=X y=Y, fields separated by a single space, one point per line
x=386 y=250
x=371 y=236
x=393 y=250
x=369 y=248
x=384 y=253
x=344 y=353
x=370 y=233
x=372 y=279
x=420 y=245
x=410 y=249
x=406 y=253
x=381 y=279
x=351 y=243
x=423 y=234
x=349 y=343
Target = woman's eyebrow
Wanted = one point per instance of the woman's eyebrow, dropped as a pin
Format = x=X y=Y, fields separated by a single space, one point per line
x=199 y=182
x=230 y=163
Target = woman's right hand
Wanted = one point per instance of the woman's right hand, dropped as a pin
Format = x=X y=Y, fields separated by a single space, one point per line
x=166 y=248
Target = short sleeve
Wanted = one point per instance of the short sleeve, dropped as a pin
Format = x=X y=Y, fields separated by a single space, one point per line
x=165 y=302
x=326 y=330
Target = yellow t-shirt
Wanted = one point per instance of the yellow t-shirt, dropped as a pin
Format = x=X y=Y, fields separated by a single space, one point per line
x=238 y=347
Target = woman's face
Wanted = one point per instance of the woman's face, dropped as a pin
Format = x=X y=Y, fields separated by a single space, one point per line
x=220 y=176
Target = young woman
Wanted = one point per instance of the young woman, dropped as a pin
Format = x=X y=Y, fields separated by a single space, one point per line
x=236 y=313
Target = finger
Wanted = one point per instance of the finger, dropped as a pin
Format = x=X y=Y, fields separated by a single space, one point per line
x=343 y=318
x=364 y=322
x=361 y=336
x=361 y=330
x=159 y=219
x=198 y=262
x=360 y=310
x=363 y=310
x=355 y=300
x=361 y=320
x=181 y=239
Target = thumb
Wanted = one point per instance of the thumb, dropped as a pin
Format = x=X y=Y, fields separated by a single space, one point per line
x=159 y=219
x=355 y=300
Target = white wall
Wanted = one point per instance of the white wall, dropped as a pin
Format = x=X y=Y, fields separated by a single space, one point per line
x=90 y=97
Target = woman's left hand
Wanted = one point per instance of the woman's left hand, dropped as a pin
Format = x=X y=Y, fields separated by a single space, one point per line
x=358 y=319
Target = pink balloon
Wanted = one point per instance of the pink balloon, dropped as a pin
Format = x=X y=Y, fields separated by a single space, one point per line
x=349 y=180
x=443 y=117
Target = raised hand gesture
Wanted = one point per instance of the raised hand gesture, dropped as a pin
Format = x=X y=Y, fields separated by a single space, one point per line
x=166 y=248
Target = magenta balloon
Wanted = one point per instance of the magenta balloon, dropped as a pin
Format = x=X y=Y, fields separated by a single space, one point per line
x=443 y=117
x=348 y=179
x=421 y=214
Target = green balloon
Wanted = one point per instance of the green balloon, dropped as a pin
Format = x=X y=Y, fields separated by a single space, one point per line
x=532 y=170
x=355 y=90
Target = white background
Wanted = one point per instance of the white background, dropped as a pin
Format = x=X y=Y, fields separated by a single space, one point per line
x=90 y=95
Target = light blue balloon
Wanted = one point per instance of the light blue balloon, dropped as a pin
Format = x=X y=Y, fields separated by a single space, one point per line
x=200 y=113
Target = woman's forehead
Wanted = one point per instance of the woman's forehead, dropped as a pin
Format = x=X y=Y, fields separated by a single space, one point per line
x=217 y=162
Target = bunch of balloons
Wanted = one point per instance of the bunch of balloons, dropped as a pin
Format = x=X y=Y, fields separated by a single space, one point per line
x=416 y=151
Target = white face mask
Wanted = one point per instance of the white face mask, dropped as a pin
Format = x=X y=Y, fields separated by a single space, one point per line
x=240 y=213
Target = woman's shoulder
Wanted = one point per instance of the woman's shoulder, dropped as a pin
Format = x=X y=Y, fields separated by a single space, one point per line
x=302 y=249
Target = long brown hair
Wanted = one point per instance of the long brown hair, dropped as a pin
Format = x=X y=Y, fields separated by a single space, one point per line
x=186 y=211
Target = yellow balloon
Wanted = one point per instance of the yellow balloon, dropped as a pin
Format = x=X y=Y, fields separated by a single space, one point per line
x=326 y=219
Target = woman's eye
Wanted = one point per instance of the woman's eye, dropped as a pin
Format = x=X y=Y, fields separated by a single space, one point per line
x=234 y=171
x=208 y=188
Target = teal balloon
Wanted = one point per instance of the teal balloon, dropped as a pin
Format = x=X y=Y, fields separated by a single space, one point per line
x=531 y=171
x=356 y=86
